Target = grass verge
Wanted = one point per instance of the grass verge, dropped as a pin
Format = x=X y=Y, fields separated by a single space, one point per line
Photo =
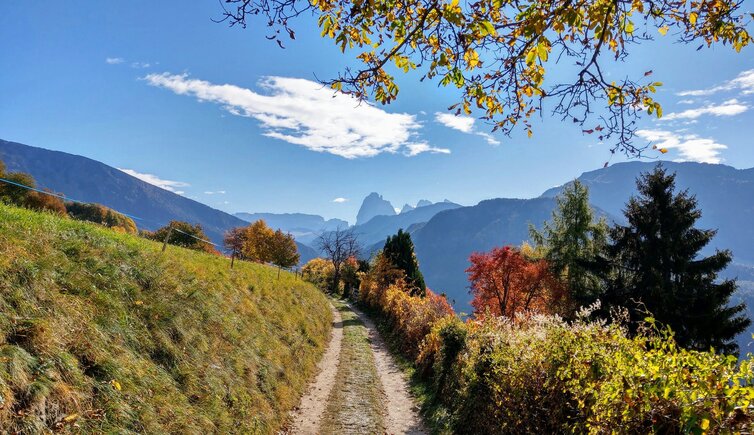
x=99 y=332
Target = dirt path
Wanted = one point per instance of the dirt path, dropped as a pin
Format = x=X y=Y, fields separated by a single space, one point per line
x=359 y=388
x=307 y=417
x=402 y=411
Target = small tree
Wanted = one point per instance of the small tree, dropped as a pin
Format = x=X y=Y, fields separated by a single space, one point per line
x=505 y=282
x=319 y=272
x=653 y=265
x=283 y=250
x=13 y=194
x=101 y=215
x=338 y=246
x=258 y=238
x=184 y=234
x=399 y=250
x=233 y=242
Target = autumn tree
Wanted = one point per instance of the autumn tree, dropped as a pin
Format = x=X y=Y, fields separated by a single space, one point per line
x=183 y=234
x=257 y=242
x=571 y=241
x=283 y=250
x=318 y=271
x=46 y=200
x=653 y=267
x=338 y=246
x=101 y=215
x=399 y=250
x=505 y=282
x=14 y=192
x=233 y=242
x=499 y=53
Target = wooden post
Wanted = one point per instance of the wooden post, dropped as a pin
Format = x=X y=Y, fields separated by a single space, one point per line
x=232 y=259
x=167 y=237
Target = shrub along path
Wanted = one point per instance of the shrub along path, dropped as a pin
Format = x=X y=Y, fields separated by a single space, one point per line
x=360 y=389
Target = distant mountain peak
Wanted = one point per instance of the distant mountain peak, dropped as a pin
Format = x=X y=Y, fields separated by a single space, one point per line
x=374 y=205
x=406 y=208
x=423 y=203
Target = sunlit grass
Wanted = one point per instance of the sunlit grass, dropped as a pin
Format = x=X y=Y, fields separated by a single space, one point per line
x=102 y=331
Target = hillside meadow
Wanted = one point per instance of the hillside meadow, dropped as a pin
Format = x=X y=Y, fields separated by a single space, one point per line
x=100 y=332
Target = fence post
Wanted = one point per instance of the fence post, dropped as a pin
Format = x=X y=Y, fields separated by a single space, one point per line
x=167 y=236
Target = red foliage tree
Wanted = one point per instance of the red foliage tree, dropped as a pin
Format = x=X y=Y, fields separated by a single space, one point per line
x=506 y=282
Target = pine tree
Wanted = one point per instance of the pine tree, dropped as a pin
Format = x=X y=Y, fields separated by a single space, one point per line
x=399 y=250
x=654 y=266
x=571 y=241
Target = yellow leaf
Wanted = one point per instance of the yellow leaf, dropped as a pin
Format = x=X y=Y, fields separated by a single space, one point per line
x=664 y=150
x=115 y=384
x=529 y=133
x=139 y=302
x=692 y=18
x=70 y=418
x=663 y=30
x=705 y=424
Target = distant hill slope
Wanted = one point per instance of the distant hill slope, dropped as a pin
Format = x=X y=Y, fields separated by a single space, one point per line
x=89 y=180
x=725 y=194
x=443 y=244
x=379 y=227
x=101 y=330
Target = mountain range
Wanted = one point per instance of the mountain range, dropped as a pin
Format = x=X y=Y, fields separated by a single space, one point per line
x=444 y=233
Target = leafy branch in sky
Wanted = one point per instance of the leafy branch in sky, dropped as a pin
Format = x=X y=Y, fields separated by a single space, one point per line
x=498 y=52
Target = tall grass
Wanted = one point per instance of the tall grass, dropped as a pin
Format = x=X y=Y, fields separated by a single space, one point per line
x=99 y=332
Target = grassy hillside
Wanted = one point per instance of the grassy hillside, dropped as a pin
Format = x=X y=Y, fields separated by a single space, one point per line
x=101 y=333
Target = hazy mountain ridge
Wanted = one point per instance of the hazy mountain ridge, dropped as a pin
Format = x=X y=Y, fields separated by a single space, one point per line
x=88 y=180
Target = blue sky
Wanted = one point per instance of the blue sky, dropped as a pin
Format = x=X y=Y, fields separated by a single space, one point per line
x=139 y=86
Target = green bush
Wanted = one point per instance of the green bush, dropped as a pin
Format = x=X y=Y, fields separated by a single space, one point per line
x=540 y=374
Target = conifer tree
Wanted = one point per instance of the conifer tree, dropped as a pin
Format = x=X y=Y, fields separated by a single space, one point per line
x=571 y=240
x=399 y=250
x=654 y=266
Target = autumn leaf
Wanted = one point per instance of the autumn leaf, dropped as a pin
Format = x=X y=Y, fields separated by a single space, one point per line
x=663 y=150
x=115 y=384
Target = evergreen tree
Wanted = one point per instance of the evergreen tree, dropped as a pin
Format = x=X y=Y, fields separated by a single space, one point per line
x=571 y=241
x=653 y=265
x=399 y=250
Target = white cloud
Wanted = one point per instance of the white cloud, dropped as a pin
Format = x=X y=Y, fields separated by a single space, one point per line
x=689 y=101
x=215 y=192
x=139 y=65
x=304 y=113
x=416 y=148
x=463 y=124
x=744 y=82
x=157 y=181
x=114 y=60
x=340 y=200
x=690 y=146
x=727 y=108
x=460 y=123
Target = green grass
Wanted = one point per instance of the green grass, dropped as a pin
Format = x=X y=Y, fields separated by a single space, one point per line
x=99 y=332
x=356 y=404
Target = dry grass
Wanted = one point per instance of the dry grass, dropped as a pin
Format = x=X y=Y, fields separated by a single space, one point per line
x=101 y=333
